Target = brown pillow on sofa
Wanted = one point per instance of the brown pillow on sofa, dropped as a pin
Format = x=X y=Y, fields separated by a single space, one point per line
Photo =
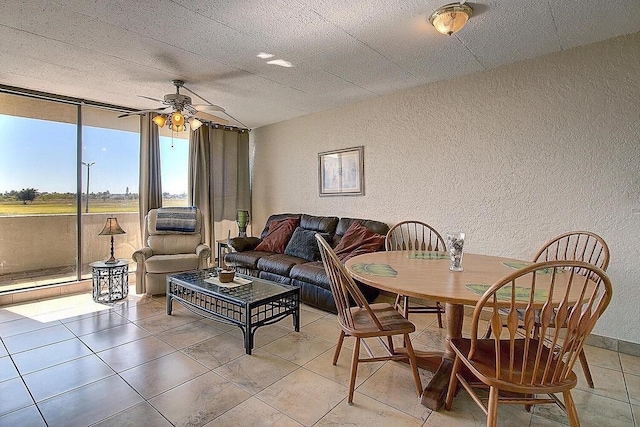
x=358 y=240
x=280 y=231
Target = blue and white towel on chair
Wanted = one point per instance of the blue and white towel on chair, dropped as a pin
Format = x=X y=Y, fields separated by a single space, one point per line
x=177 y=219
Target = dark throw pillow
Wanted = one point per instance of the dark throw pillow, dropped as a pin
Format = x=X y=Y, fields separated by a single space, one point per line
x=358 y=240
x=303 y=244
x=280 y=231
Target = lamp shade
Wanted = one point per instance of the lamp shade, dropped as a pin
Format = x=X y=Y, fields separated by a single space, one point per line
x=111 y=228
x=177 y=119
x=450 y=18
x=160 y=120
x=194 y=123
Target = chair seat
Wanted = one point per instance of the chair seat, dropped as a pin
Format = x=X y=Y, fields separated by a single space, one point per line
x=172 y=263
x=483 y=365
x=392 y=322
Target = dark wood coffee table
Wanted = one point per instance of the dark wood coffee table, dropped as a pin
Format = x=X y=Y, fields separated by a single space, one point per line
x=249 y=306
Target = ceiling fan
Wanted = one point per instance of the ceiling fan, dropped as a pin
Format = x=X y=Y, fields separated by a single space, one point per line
x=180 y=110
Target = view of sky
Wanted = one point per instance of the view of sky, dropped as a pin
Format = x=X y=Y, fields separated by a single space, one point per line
x=42 y=155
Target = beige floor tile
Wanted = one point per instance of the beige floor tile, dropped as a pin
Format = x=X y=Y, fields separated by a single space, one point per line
x=593 y=410
x=636 y=414
x=61 y=378
x=50 y=355
x=216 y=351
x=163 y=322
x=188 y=334
x=135 y=312
x=630 y=364
x=607 y=382
x=199 y=401
x=159 y=375
x=14 y=396
x=7 y=369
x=89 y=404
x=253 y=412
x=366 y=412
x=20 y=325
x=393 y=384
x=602 y=357
x=430 y=338
x=3 y=350
x=633 y=387
x=29 y=416
x=37 y=338
x=8 y=315
x=298 y=347
x=105 y=320
x=312 y=309
x=112 y=337
x=135 y=353
x=142 y=413
x=465 y=413
x=537 y=421
x=326 y=328
x=303 y=396
x=257 y=371
x=341 y=372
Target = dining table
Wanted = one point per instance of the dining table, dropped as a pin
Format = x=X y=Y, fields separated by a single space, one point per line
x=426 y=275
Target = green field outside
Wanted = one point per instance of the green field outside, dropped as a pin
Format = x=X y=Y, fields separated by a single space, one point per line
x=65 y=207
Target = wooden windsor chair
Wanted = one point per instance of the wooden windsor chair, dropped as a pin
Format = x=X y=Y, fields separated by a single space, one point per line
x=365 y=320
x=571 y=303
x=415 y=236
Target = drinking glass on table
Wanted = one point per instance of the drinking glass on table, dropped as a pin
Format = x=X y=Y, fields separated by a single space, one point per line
x=455 y=244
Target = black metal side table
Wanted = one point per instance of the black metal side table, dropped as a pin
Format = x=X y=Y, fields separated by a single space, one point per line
x=110 y=281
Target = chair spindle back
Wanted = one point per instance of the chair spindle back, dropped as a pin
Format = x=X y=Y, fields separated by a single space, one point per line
x=414 y=236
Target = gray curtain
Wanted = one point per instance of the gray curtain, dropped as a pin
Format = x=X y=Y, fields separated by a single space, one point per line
x=219 y=180
x=150 y=186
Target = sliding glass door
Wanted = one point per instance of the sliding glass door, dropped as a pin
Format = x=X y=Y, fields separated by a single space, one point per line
x=63 y=168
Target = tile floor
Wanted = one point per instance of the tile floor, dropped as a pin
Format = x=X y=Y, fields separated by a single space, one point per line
x=71 y=362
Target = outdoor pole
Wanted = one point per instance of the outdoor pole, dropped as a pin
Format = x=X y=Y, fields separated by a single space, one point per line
x=88 y=165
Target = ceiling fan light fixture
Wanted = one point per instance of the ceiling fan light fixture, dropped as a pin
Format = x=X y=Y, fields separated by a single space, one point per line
x=177 y=119
x=160 y=120
x=194 y=123
x=450 y=18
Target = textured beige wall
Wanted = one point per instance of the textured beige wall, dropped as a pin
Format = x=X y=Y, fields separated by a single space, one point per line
x=512 y=156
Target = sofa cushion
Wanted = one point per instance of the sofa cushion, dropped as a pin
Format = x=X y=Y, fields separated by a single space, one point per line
x=279 y=263
x=280 y=232
x=320 y=224
x=311 y=272
x=247 y=259
x=276 y=217
x=358 y=240
x=345 y=223
x=303 y=244
x=169 y=244
x=172 y=263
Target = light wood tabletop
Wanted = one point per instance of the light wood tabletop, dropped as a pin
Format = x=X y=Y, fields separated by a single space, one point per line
x=426 y=275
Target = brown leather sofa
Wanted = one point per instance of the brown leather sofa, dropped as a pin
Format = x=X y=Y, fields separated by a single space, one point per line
x=310 y=276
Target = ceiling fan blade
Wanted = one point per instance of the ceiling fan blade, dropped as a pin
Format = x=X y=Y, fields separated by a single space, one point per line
x=204 y=107
x=136 y=113
x=193 y=93
x=153 y=99
x=211 y=118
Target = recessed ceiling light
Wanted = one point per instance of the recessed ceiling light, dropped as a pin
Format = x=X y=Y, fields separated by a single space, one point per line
x=265 y=55
x=281 y=62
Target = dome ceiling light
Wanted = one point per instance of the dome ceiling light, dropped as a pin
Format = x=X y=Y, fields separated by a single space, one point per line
x=450 y=18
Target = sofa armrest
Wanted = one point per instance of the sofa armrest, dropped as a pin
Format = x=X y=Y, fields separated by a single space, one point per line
x=204 y=252
x=243 y=244
x=141 y=255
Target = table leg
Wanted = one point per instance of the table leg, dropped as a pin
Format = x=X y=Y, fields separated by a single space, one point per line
x=434 y=394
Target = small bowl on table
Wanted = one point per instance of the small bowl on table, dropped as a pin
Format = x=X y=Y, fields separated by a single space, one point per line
x=226 y=276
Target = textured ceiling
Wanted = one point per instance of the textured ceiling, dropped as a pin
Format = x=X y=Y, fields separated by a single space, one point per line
x=112 y=51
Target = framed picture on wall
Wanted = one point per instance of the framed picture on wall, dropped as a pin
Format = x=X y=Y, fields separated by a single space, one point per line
x=341 y=172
